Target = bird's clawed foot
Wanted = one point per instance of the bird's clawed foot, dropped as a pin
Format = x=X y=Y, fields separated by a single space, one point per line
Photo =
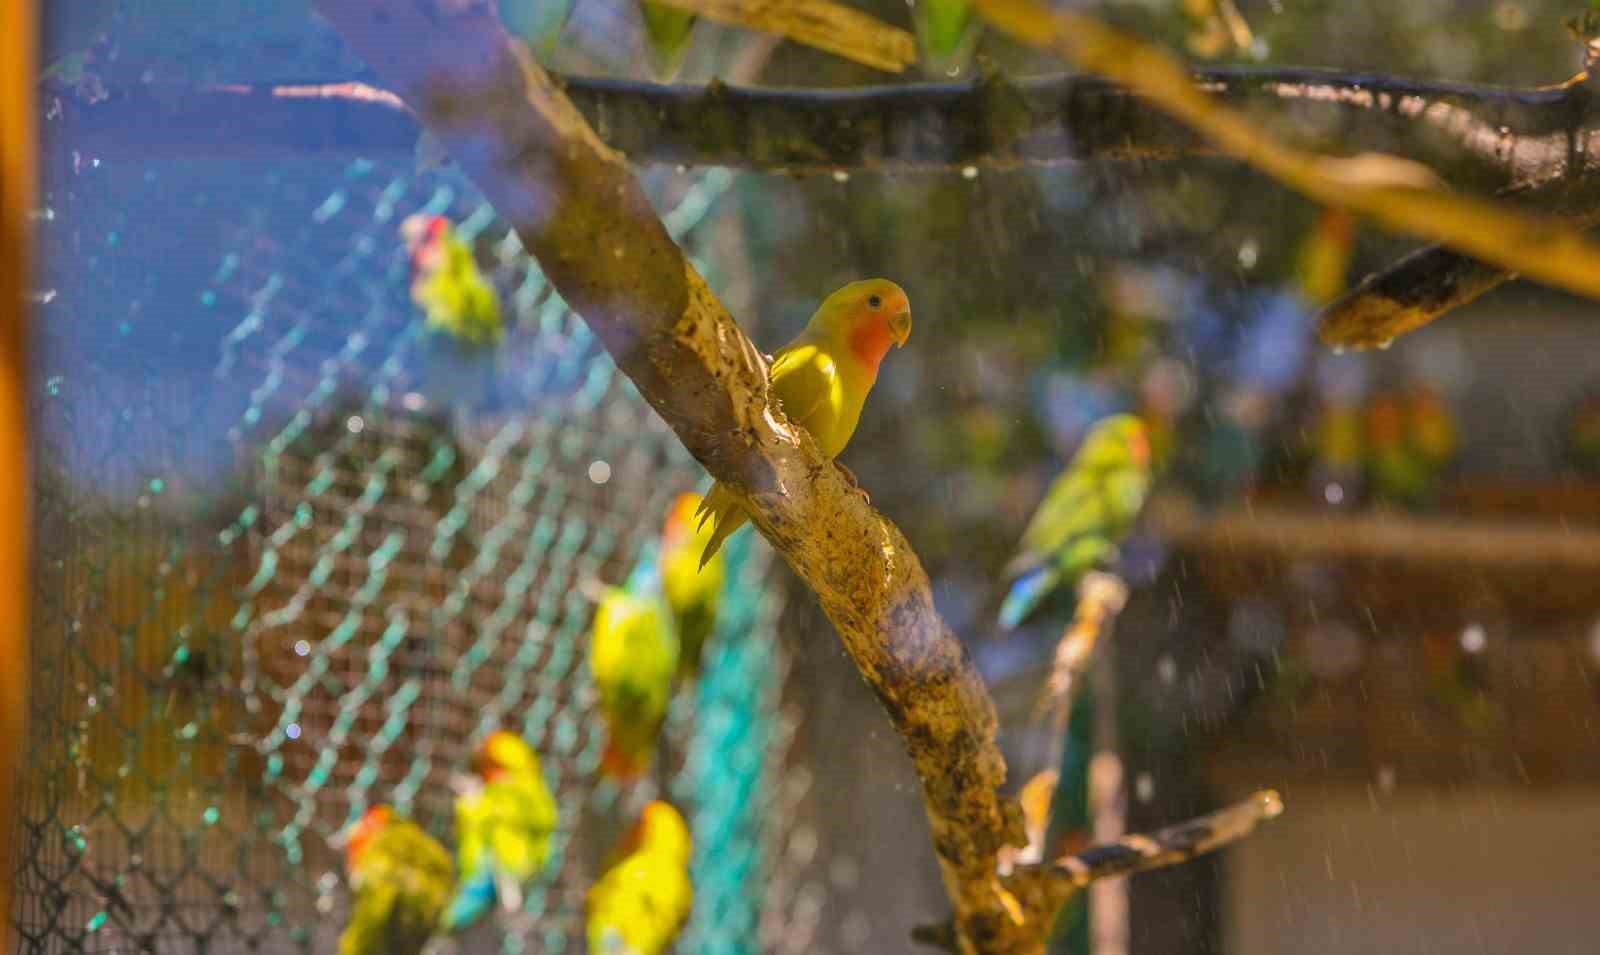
x=855 y=485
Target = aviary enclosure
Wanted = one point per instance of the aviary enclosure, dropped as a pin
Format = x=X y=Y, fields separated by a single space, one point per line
x=380 y=353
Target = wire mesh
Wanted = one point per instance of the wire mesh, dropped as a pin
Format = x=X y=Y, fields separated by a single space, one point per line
x=310 y=578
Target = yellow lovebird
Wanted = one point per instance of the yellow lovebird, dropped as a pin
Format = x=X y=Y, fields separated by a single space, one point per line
x=633 y=657
x=692 y=591
x=401 y=878
x=821 y=379
x=504 y=820
x=643 y=899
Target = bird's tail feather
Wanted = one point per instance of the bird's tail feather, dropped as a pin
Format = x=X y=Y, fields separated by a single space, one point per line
x=727 y=515
x=1026 y=594
x=473 y=897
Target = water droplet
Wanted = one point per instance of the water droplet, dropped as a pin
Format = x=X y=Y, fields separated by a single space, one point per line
x=211 y=815
x=969 y=172
x=157 y=485
x=839 y=175
x=53 y=385
x=44 y=297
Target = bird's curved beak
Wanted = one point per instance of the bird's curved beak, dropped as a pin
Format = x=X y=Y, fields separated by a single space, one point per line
x=900 y=326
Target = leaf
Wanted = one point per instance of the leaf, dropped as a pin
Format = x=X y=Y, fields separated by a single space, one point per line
x=835 y=28
x=1393 y=192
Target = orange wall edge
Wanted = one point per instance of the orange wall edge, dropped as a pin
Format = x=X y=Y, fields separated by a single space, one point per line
x=18 y=71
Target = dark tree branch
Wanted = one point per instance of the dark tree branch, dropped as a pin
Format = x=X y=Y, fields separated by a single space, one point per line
x=1503 y=136
x=1433 y=280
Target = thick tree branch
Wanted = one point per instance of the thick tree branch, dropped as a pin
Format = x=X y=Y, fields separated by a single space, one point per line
x=580 y=213
x=1504 y=136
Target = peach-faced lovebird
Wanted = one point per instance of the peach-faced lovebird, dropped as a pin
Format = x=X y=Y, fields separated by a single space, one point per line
x=633 y=654
x=643 y=899
x=821 y=379
x=1085 y=513
x=401 y=878
x=503 y=825
x=447 y=284
x=692 y=591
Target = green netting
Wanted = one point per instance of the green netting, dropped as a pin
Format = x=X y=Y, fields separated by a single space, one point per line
x=312 y=577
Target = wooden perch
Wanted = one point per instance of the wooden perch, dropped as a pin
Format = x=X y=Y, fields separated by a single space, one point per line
x=1477 y=134
x=1275 y=529
x=582 y=215
x=1044 y=886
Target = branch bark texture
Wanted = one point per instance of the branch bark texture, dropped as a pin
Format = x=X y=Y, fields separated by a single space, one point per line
x=582 y=215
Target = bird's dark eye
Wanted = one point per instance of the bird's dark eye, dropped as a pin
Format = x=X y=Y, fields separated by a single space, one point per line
x=874 y=301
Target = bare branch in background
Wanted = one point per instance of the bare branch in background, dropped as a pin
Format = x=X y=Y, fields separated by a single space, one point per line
x=1434 y=280
x=838 y=29
x=1101 y=597
x=1043 y=887
x=1391 y=191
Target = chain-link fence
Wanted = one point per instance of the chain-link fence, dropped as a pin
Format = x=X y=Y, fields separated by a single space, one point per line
x=290 y=566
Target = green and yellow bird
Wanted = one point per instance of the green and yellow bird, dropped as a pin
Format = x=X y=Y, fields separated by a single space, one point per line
x=633 y=656
x=822 y=378
x=641 y=902
x=503 y=826
x=447 y=284
x=402 y=880
x=1085 y=514
x=692 y=591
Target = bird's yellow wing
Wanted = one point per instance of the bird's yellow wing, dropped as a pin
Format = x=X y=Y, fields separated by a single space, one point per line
x=806 y=380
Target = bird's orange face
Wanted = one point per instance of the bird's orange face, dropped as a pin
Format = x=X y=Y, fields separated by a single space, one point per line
x=488 y=761
x=360 y=835
x=874 y=314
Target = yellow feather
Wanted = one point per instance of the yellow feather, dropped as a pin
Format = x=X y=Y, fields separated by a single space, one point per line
x=820 y=383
